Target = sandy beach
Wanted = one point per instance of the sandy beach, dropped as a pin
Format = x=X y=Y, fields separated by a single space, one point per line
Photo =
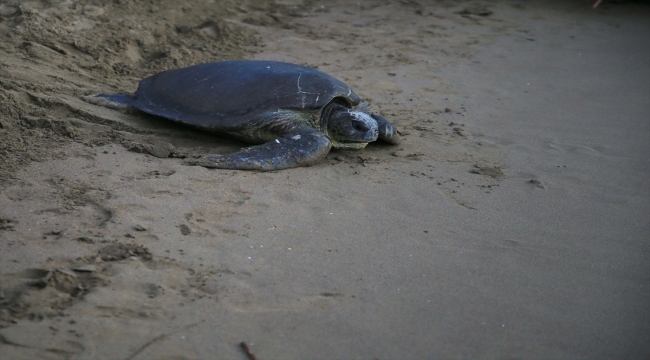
x=512 y=222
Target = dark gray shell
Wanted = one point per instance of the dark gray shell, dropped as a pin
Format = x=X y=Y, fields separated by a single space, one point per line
x=228 y=95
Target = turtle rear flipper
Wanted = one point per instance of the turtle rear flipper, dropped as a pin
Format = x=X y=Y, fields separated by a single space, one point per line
x=301 y=148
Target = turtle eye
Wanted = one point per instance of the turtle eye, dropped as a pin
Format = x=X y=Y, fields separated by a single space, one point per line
x=360 y=126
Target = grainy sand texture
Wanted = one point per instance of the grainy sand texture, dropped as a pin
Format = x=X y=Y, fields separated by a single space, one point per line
x=512 y=222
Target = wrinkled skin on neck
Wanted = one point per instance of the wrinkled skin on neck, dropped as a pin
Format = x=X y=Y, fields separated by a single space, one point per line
x=348 y=128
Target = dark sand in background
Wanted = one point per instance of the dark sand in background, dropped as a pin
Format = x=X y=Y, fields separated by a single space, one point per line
x=513 y=226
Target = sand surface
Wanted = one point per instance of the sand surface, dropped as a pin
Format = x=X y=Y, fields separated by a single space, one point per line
x=511 y=223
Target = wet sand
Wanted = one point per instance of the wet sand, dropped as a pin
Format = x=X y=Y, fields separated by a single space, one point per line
x=512 y=221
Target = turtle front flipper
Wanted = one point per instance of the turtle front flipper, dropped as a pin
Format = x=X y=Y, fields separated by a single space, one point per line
x=119 y=101
x=387 y=131
x=302 y=148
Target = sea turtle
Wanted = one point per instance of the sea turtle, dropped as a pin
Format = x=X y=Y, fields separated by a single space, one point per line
x=295 y=112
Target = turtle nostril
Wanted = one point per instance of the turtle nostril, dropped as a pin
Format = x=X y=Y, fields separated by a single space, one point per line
x=360 y=126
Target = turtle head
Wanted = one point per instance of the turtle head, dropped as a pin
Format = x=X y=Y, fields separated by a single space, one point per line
x=346 y=126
